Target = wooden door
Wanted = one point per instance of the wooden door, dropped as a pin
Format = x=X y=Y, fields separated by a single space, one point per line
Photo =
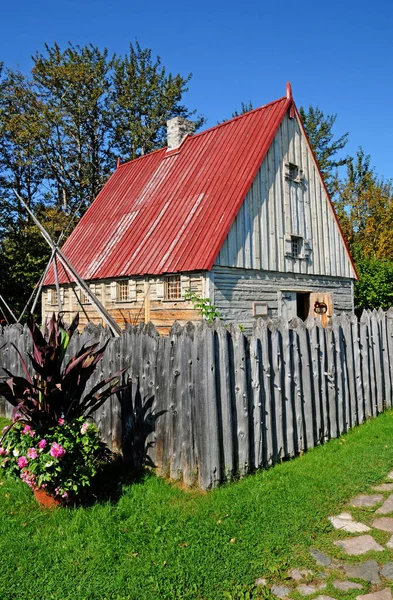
x=321 y=306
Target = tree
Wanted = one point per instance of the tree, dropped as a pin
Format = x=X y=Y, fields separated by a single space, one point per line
x=61 y=129
x=244 y=108
x=325 y=146
x=143 y=97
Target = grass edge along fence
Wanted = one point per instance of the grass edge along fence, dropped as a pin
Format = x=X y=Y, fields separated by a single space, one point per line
x=207 y=403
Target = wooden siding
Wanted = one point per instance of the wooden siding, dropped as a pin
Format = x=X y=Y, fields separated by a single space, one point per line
x=235 y=290
x=276 y=208
x=148 y=303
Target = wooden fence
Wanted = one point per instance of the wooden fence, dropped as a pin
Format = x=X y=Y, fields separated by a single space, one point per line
x=207 y=403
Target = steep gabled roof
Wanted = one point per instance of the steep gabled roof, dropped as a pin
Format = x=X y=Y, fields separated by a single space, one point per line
x=170 y=211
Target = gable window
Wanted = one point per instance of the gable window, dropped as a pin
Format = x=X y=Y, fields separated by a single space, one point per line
x=293 y=173
x=296 y=246
x=123 y=291
x=172 y=287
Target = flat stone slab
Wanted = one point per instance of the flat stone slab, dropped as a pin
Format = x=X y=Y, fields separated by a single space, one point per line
x=367 y=571
x=387 y=571
x=345 y=586
x=390 y=543
x=389 y=475
x=384 y=524
x=281 y=591
x=383 y=487
x=322 y=597
x=299 y=574
x=307 y=590
x=260 y=581
x=364 y=501
x=359 y=545
x=320 y=558
x=346 y=522
x=386 y=508
x=385 y=594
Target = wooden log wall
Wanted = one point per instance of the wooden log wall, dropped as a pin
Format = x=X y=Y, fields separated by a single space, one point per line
x=207 y=404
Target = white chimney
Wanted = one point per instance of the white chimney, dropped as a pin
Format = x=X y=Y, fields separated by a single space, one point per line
x=177 y=130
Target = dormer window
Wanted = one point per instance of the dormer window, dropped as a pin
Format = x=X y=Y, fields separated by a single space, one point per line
x=293 y=173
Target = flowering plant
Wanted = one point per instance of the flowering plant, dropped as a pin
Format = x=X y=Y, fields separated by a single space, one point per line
x=61 y=459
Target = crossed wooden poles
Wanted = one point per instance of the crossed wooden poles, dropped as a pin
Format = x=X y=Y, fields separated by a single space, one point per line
x=57 y=254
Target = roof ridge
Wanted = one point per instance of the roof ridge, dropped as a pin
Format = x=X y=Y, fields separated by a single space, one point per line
x=196 y=135
x=237 y=118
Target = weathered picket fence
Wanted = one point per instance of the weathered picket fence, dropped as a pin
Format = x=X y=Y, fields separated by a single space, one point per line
x=208 y=403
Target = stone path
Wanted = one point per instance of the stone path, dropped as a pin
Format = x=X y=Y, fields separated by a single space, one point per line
x=374 y=580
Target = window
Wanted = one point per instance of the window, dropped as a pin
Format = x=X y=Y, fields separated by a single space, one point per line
x=172 y=288
x=293 y=173
x=296 y=246
x=123 y=291
x=84 y=298
x=52 y=297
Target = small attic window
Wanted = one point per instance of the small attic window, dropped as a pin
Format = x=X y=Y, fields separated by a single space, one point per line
x=293 y=173
x=172 y=288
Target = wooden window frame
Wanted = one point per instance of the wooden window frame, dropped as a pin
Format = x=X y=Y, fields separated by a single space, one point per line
x=293 y=173
x=172 y=288
x=123 y=291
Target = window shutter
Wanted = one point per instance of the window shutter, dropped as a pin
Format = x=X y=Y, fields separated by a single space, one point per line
x=185 y=284
x=62 y=295
x=132 y=290
x=307 y=248
x=160 y=290
x=50 y=296
x=114 y=291
x=288 y=245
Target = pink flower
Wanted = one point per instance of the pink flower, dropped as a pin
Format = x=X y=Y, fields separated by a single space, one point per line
x=42 y=444
x=56 y=450
x=84 y=428
x=2 y=451
x=17 y=416
x=32 y=453
x=4 y=462
x=5 y=429
x=28 y=430
x=61 y=421
x=28 y=478
x=22 y=462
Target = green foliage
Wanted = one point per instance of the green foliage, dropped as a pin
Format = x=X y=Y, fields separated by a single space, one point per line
x=62 y=459
x=55 y=390
x=375 y=286
x=244 y=108
x=203 y=305
x=319 y=129
x=61 y=130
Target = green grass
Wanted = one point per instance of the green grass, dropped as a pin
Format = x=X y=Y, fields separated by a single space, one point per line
x=158 y=541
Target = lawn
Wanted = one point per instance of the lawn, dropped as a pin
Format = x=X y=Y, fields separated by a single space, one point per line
x=157 y=541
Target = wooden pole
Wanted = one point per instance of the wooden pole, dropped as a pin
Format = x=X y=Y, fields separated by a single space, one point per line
x=8 y=308
x=113 y=326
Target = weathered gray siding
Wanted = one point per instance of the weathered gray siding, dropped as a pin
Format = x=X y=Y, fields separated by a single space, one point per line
x=236 y=289
x=276 y=208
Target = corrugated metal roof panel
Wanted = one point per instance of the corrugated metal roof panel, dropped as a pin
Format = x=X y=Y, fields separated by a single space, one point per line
x=171 y=212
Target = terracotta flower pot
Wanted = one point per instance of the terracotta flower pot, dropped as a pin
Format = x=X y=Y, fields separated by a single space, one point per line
x=45 y=499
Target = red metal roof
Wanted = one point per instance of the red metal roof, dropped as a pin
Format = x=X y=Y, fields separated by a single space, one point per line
x=170 y=212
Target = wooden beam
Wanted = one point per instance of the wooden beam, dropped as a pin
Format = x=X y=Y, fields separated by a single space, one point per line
x=113 y=326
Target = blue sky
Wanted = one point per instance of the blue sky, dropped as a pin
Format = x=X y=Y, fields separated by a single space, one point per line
x=337 y=55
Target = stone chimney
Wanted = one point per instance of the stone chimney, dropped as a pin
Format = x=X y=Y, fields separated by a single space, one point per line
x=177 y=129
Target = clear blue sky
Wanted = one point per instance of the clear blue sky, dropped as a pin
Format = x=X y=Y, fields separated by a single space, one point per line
x=337 y=54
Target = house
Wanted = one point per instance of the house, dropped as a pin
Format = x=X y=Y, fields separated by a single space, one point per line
x=238 y=213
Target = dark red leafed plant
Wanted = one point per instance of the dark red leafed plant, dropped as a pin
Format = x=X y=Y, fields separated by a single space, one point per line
x=55 y=391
